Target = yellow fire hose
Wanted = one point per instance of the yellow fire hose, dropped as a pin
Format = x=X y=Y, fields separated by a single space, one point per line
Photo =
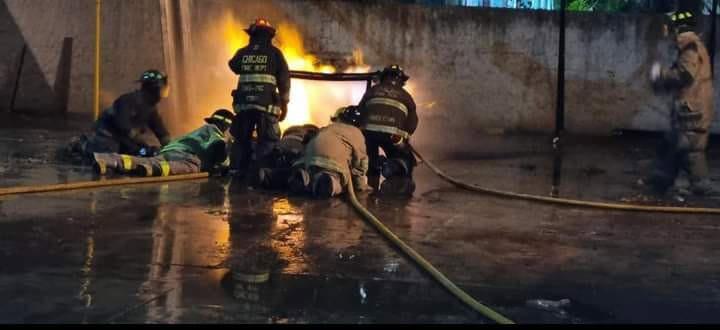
x=564 y=201
x=98 y=184
x=424 y=264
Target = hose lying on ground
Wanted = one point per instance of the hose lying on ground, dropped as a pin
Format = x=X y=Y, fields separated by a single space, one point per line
x=564 y=201
x=99 y=184
x=424 y=264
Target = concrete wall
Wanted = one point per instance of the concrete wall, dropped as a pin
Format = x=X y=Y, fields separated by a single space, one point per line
x=131 y=42
x=472 y=69
x=496 y=69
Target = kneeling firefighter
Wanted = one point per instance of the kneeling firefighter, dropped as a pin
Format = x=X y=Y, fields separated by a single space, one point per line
x=689 y=80
x=274 y=169
x=132 y=125
x=203 y=149
x=334 y=156
x=388 y=119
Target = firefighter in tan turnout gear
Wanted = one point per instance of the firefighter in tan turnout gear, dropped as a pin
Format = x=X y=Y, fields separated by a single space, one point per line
x=334 y=156
x=689 y=80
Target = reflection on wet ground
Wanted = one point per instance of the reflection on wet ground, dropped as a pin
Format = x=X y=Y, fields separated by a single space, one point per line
x=214 y=251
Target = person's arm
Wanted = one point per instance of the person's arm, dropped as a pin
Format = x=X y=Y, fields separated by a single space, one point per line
x=360 y=162
x=158 y=127
x=217 y=153
x=123 y=132
x=411 y=123
x=684 y=71
x=283 y=83
x=235 y=62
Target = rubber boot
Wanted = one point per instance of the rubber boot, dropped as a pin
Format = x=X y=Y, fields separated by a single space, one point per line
x=374 y=182
x=104 y=164
x=299 y=181
x=398 y=186
x=326 y=185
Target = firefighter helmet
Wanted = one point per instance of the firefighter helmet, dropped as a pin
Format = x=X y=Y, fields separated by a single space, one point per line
x=154 y=77
x=223 y=118
x=155 y=82
x=261 y=24
x=349 y=115
x=681 y=21
x=394 y=72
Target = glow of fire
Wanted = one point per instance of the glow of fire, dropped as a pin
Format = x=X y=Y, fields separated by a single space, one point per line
x=310 y=101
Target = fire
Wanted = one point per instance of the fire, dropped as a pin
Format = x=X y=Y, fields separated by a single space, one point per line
x=310 y=101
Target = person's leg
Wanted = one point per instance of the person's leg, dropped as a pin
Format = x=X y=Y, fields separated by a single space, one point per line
x=401 y=161
x=268 y=133
x=299 y=181
x=118 y=163
x=665 y=169
x=698 y=173
x=326 y=184
x=177 y=163
x=372 y=147
x=241 y=130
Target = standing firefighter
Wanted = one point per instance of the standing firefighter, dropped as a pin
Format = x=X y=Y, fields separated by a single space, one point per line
x=388 y=119
x=334 y=156
x=689 y=80
x=132 y=125
x=203 y=149
x=262 y=95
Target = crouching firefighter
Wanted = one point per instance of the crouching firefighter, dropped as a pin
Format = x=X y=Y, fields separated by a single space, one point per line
x=689 y=80
x=274 y=169
x=334 y=156
x=388 y=119
x=261 y=98
x=132 y=125
x=201 y=150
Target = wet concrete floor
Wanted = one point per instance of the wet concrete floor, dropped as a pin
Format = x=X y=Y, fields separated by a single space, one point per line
x=180 y=252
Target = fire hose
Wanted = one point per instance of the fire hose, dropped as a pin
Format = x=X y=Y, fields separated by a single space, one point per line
x=422 y=262
x=375 y=222
x=98 y=184
x=563 y=201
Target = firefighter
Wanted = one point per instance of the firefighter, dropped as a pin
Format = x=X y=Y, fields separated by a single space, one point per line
x=274 y=169
x=203 y=149
x=388 y=119
x=132 y=125
x=261 y=98
x=689 y=81
x=334 y=156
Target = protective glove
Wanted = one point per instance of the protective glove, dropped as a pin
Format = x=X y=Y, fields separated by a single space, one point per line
x=284 y=111
x=148 y=151
x=655 y=72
